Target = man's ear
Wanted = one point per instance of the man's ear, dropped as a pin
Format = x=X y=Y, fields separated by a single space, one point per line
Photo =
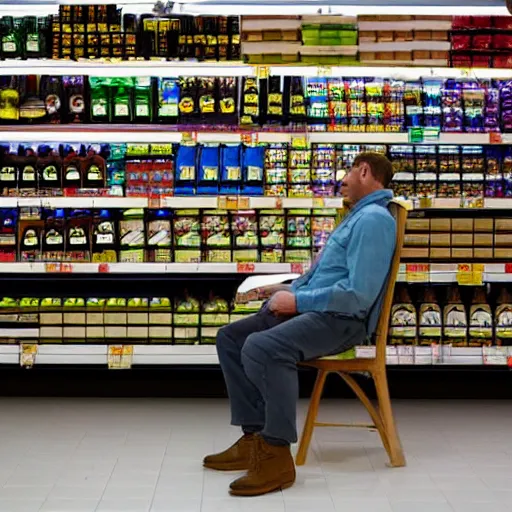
x=364 y=169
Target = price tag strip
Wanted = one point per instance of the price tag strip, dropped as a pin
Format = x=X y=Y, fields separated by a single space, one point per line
x=120 y=357
x=470 y=274
x=417 y=273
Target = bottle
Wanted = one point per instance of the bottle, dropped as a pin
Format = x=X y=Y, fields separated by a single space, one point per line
x=94 y=171
x=143 y=111
x=402 y=329
x=74 y=95
x=100 y=104
x=11 y=47
x=455 y=322
x=49 y=167
x=30 y=246
x=480 y=320
x=32 y=109
x=104 y=248
x=51 y=92
x=503 y=318
x=9 y=100
x=72 y=165
x=53 y=236
x=122 y=105
x=27 y=174
x=429 y=319
x=34 y=41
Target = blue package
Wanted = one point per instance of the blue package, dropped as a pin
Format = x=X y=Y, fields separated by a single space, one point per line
x=252 y=170
x=208 y=176
x=231 y=169
x=185 y=184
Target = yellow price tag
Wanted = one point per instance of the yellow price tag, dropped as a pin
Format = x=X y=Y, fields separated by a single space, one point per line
x=299 y=141
x=470 y=275
x=262 y=72
x=324 y=71
x=28 y=352
x=417 y=273
x=189 y=137
x=120 y=357
x=318 y=202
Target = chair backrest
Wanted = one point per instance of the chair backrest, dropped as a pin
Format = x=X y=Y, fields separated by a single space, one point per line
x=399 y=213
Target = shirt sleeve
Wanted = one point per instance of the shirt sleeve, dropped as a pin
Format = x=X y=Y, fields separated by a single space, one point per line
x=369 y=254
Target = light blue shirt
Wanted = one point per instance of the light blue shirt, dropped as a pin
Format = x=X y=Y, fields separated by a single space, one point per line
x=349 y=276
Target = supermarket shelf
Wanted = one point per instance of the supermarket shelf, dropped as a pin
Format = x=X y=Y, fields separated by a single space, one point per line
x=102 y=134
x=84 y=354
x=404 y=25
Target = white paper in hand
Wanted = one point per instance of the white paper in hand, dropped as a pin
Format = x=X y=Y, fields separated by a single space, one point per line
x=253 y=282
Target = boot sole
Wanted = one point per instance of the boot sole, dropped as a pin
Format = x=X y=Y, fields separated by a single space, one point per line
x=261 y=491
x=228 y=466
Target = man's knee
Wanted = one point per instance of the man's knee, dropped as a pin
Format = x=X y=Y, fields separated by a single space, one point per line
x=224 y=339
x=254 y=351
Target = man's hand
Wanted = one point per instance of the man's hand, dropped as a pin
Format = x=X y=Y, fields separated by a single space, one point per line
x=283 y=304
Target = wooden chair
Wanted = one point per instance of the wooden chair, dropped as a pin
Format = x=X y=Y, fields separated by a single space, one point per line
x=382 y=416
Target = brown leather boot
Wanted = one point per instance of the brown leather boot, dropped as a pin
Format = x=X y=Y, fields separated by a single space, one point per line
x=235 y=458
x=272 y=468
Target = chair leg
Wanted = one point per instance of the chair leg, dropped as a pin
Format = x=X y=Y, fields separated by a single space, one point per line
x=309 y=425
x=394 y=448
x=374 y=414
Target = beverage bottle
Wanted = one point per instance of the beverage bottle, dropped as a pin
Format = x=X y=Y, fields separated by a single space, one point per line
x=52 y=94
x=403 y=324
x=503 y=318
x=74 y=98
x=11 y=47
x=455 y=321
x=429 y=319
x=480 y=319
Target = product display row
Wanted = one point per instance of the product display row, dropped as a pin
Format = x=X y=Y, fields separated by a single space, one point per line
x=184 y=236
x=184 y=319
x=342 y=104
x=465 y=238
x=442 y=316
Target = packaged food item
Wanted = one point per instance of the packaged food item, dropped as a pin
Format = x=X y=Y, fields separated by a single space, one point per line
x=474 y=99
x=168 y=100
x=49 y=168
x=250 y=111
x=432 y=103
x=8 y=230
x=72 y=169
x=187 y=236
x=186 y=170
x=413 y=105
x=317 y=93
x=337 y=105
x=297 y=102
x=455 y=321
x=209 y=170
x=480 y=320
x=299 y=172
x=324 y=170
x=132 y=236
x=188 y=106
x=503 y=318
x=429 y=319
x=492 y=107
x=323 y=224
x=26 y=172
x=244 y=226
x=216 y=236
x=403 y=323
x=159 y=236
x=473 y=168
x=253 y=162
x=207 y=99
x=402 y=160
x=186 y=320
x=298 y=236
x=374 y=88
x=505 y=88
x=227 y=100
x=214 y=314
x=449 y=184
x=276 y=169
x=104 y=239
x=356 y=104
x=494 y=176
x=394 y=111
x=231 y=169
x=272 y=232
x=53 y=235
x=274 y=110
x=94 y=170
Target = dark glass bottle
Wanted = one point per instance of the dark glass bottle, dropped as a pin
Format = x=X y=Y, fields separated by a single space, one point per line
x=75 y=99
x=11 y=47
x=52 y=94
x=32 y=109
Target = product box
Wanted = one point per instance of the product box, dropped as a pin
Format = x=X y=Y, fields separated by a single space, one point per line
x=462 y=239
x=415 y=252
x=417 y=225
x=462 y=253
x=484 y=225
x=440 y=224
x=462 y=225
x=481 y=253
x=440 y=253
x=416 y=239
x=440 y=239
x=483 y=239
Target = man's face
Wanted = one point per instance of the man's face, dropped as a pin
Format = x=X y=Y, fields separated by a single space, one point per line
x=352 y=184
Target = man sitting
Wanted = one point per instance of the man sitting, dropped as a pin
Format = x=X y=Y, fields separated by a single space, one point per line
x=327 y=311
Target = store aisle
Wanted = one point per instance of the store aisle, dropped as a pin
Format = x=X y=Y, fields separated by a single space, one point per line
x=145 y=455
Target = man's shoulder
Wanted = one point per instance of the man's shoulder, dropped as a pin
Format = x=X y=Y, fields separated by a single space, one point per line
x=375 y=213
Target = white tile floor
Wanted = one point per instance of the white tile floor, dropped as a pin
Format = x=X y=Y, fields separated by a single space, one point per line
x=145 y=455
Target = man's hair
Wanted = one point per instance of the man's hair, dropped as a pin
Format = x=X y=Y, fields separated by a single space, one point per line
x=380 y=166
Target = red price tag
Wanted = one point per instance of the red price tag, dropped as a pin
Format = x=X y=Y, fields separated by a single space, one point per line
x=58 y=267
x=297 y=268
x=509 y=362
x=66 y=267
x=104 y=268
x=508 y=268
x=495 y=138
x=245 y=268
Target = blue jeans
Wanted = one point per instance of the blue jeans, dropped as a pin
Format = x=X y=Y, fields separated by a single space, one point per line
x=259 y=357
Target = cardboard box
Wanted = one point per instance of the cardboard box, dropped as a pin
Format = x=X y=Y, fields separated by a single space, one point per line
x=137 y=332
x=74 y=331
x=50 y=332
x=440 y=239
x=50 y=318
x=503 y=240
x=440 y=252
x=503 y=224
x=503 y=253
x=367 y=36
x=160 y=331
x=95 y=331
x=421 y=54
x=115 y=331
x=368 y=56
x=440 y=224
x=404 y=35
x=422 y=35
x=483 y=254
x=138 y=318
x=440 y=55
x=439 y=35
x=417 y=225
x=385 y=56
x=462 y=253
x=74 y=318
x=160 y=318
x=115 y=318
x=483 y=239
x=415 y=252
x=95 y=319
x=465 y=240
x=385 y=36
x=416 y=239
x=403 y=56
x=484 y=225
x=466 y=225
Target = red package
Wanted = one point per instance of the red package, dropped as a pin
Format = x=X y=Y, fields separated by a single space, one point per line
x=461 y=22
x=481 y=61
x=482 y=42
x=461 y=42
x=502 y=61
x=502 y=42
x=503 y=22
x=461 y=61
x=482 y=21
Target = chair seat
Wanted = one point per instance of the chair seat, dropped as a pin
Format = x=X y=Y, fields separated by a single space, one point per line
x=341 y=365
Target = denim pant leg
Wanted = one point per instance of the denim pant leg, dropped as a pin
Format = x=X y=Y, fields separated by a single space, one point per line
x=247 y=407
x=270 y=361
